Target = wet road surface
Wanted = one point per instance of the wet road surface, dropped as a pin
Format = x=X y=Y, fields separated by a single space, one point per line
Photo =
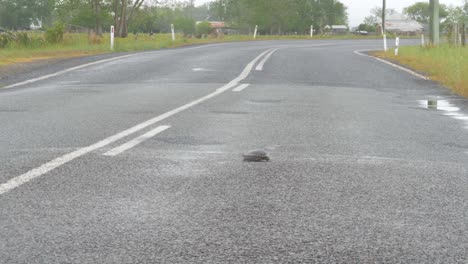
x=140 y=160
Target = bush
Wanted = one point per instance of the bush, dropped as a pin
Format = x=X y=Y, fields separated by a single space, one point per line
x=22 y=38
x=203 y=28
x=186 y=25
x=6 y=38
x=55 y=33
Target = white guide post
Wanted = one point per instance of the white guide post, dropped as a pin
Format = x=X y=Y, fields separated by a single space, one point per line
x=385 y=42
x=112 y=30
x=397 y=44
x=173 y=32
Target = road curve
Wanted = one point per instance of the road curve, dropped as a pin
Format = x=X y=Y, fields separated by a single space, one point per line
x=139 y=159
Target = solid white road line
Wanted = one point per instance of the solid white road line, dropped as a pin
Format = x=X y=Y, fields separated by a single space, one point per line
x=65 y=71
x=94 y=63
x=51 y=165
x=359 y=52
x=132 y=143
x=241 y=87
x=262 y=63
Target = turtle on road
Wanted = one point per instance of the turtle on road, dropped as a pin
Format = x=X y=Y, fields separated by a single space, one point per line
x=256 y=156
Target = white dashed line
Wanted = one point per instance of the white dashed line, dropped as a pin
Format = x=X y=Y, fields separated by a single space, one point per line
x=132 y=143
x=65 y=71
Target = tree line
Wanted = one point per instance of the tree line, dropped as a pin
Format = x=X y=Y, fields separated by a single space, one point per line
x=272 y=16
x=280 y=16
x=420 y=12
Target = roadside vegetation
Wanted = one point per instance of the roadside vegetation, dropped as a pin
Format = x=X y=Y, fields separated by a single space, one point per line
x=446 y=64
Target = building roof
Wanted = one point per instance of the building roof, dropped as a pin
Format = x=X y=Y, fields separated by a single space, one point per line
x=339 y=27
x=215 y=24
x=336 y=27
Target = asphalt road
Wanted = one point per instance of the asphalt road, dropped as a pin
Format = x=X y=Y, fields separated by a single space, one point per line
x=139 y=159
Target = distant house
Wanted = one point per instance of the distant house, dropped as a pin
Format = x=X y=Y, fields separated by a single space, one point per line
x=337 y=29
x=217 y=24
x=36 y=25
x=400 y=24
x=220 y=28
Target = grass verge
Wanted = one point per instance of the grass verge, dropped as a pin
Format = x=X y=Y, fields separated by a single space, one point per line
x=76 y=45
x=445 y=64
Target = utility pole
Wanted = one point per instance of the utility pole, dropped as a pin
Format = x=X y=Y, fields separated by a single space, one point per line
x=384 y=34
x=384 y=11
x=434 y=23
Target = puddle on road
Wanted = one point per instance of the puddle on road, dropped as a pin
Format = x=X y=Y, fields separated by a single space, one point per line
x=442 y=105
x=446 y=108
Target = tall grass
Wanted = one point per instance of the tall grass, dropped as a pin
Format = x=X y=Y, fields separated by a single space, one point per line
x=445 y=64
x=75 y=45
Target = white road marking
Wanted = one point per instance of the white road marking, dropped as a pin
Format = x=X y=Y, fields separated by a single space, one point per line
x=53 y=164
x=65 y=71
x=96 y=62
x=262 y=63
x=358 y=52
x=132 y=143
x=241 y=87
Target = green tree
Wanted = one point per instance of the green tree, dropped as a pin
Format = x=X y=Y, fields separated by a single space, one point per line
x=185 y=24
x=421 y=12
x=456 y=15
x=203 y=28
x=279 y=16
x=19 y=14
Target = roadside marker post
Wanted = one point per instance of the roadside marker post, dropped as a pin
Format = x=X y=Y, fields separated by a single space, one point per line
x=422 y=40
x=112 y=29
x=173 y=32
x=255 y=32
x=385 y=42
x=311 y=31
x=397 y=43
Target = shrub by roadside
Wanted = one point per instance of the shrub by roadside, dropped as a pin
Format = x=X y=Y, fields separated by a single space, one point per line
x=55 y=34
x=20 y=39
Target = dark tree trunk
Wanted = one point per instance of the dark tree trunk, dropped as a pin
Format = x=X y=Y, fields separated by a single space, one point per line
x=97 y=11
x=115 y=8
x=123 y=20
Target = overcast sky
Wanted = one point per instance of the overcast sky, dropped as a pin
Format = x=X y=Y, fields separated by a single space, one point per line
x=358 y=9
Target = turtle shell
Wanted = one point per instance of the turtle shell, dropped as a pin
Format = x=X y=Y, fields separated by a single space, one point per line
x=256 y=156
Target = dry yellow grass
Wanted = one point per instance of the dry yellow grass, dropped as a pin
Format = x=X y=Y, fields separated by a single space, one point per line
x=445 y=64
